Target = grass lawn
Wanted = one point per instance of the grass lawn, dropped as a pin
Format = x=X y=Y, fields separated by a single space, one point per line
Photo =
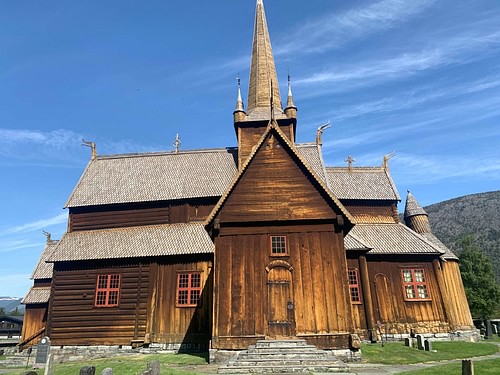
x=486 y=367
x=131 y=365
x=396 y=353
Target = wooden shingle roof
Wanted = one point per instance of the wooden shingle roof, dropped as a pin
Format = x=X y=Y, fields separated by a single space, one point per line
x=154 y=176
x=44 y=270
x=394 y=239
x=374 y=183
x=133 y=242
x=37 y=295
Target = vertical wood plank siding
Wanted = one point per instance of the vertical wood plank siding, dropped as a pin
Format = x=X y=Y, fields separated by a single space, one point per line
x=318 y=284
x=35 y=316
x=456 y=293
x=397 y=314
x=167 y=323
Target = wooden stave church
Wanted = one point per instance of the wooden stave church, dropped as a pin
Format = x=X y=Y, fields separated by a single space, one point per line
x=220 y=248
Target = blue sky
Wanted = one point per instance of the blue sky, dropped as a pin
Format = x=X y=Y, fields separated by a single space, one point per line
x=420 y=78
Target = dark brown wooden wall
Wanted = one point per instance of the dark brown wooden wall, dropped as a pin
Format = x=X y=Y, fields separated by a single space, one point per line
x=358 y=309
x=249 y=136
x=167 y=323
x=319 y=291
x=275 y=188
x=73 y=319
x=121 y=216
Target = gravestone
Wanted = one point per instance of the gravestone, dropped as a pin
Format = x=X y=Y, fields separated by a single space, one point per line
x=107 y=371
x=49 y=366
x=87 y=370
x=428 y=346
x=494 y=328
x=154 y=367
x=42 y=353
x=420 y=342
x=467 y=367
x=409 y=342
x=489 y=332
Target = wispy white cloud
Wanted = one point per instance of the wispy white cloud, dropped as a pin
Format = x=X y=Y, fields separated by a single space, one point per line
x=16 y=244
x=38 y=224
x=333 y=29
x=413 y=169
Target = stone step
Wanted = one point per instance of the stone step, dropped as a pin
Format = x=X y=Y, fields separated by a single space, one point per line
x=283 y=369
x=283 y=356
x=280 y=343
x=288 y=362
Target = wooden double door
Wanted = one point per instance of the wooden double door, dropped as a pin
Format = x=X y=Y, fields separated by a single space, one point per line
x=280 y=305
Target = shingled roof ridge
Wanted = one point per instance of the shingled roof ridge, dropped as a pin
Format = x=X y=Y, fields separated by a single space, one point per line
x=165 y=153
x=356 y=169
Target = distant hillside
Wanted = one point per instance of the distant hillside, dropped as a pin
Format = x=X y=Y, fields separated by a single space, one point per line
x=10 y=304
x=477 y=214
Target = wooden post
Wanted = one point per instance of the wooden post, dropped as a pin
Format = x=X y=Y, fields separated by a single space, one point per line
x=467 y=367
x=367 y=294
x=444 y=294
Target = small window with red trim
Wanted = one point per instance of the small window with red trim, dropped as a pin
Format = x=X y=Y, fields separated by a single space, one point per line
x=107 y=290
x=278 y=245
x=188 y=289
x=354 y=285
x=414 y=284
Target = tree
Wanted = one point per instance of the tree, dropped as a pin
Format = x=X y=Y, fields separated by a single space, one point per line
x=483 y=293
x=2 y=310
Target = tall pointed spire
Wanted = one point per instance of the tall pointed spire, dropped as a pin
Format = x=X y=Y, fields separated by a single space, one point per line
x=263 y=76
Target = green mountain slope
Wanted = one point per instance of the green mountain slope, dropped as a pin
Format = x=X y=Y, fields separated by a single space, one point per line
x=477 y=214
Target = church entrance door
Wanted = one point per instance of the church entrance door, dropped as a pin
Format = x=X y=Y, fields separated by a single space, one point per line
x=281 y=317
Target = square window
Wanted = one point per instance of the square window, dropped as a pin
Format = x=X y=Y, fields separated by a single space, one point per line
x=278 y=245
x=414 y=284
x=188 y=289
x=107 y=290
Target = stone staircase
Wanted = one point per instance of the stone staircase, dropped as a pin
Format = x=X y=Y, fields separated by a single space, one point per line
x=283 y=356
x=18 y=360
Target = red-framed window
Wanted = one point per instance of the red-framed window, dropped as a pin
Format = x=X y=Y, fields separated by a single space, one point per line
x=107 y=292
x=414 y=284
x=188 y=289
x=278 y=245
x=354 y=285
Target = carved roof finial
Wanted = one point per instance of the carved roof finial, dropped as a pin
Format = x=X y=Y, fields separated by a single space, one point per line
x=177 y=143
x=47 y=234
x=385 y=162
x=349 y=161
x=319 y=133
x=92 y=147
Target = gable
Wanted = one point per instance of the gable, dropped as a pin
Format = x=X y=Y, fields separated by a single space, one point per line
x=275 y=185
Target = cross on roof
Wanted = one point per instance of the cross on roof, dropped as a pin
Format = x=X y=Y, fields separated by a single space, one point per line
x=177 y=143
x=349 y=161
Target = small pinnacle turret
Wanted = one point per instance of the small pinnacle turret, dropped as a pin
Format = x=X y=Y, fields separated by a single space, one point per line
x=290 y=110
x=415 y=216
x=239 y=112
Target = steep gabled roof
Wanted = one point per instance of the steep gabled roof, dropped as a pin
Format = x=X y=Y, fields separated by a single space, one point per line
x=412 y=207
x=154 y=176
x=374 y=183
x=274 y=127
x=133 y=242
x=44 y=270
x=394 y=239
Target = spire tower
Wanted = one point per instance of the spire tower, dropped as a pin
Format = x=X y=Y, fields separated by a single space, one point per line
x=415 y=216
x=263 y=76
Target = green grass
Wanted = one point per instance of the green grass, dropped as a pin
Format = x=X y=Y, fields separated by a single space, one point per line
x=397 y=353
x=134 y=364
x=486 y=367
